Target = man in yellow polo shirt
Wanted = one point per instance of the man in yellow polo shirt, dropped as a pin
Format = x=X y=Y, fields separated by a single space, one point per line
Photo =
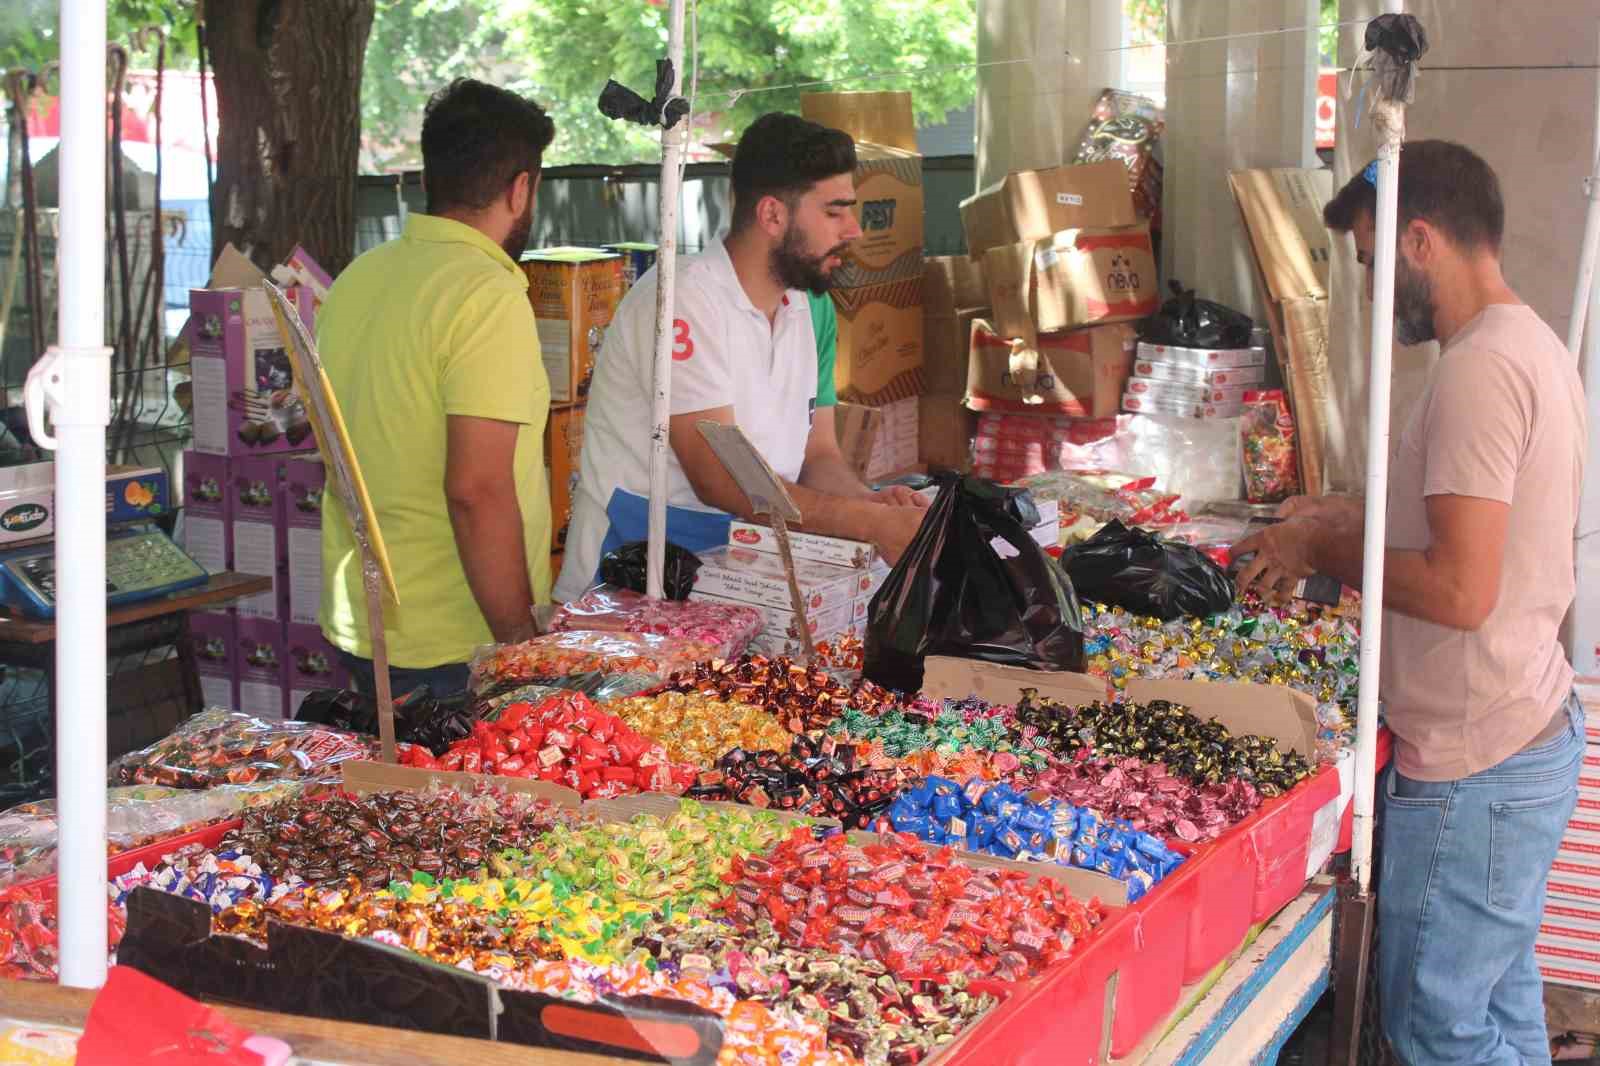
x=430 y=344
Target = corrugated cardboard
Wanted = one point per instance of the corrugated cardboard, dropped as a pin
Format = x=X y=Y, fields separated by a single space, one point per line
x=945 y=677
x=946 y=343
x=889 y=206
x=953 y=284
x=1032 y=204
x=946 y=428
x=1075 y=277
x=857 y=428
x=574 y=292
x=1284 y=714
x=1282 y=212
x=879 y=355
x=879 y=117
x=563 y=445
x=362 y=776
x=1079 y=373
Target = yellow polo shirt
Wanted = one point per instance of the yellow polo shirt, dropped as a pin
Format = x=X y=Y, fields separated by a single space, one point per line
x=436 y=323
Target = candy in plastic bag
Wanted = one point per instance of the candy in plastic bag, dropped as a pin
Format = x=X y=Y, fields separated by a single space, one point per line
x=216 y=747
x=728 y=627
x=1266 y=448
x=559 y=655
x=1147 y=574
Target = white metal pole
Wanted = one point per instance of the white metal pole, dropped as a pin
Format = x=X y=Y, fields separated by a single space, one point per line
x=80 y=381
x=672 y=147
x=1590 y=249
x=1586 y=306
x=1392 y=124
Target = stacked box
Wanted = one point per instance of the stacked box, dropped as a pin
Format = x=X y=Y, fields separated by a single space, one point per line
x=563 y=447
x=213 y=640
x=263 y=676
x=749 y=571
x=574 y=292
x=304 y=481
x=636 y=259
x=257 y=533
x=1568 y=946
x=310 y=663
x=894 y=450
x=207 y=510
x=1193 y=382
x=243 y=379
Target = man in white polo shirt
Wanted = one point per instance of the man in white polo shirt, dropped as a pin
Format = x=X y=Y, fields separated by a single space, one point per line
x=744 y=353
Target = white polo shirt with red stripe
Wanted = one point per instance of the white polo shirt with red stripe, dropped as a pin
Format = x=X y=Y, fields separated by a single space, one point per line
x=725 y=353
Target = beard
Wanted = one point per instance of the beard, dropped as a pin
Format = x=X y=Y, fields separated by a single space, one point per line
x=794 y=269
x=1413 y=305
x=516 y=241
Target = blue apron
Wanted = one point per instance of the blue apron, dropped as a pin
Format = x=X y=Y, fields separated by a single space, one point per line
x=696 y=531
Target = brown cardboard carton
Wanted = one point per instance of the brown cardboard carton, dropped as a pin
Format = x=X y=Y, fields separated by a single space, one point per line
x=946 y=342
x=857 y=428
x=1286 y=715
x=1079 y=373
x=945 y=677
x=879 y=358
x=1033 y=204
x=574 y=292
x=563 y=445
x=1282 y=213
x=879 y=117
x=361 y=776
x=952 y=284
x=1078 y=277
x=889 y=205
x=945 y=430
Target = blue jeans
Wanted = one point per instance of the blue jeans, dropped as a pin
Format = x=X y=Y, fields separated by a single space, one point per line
x=1459 y=902
x=442 y=681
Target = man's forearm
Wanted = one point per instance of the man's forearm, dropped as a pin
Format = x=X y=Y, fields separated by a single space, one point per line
x=1412 y=585
x=832 y=476
x=489 y=540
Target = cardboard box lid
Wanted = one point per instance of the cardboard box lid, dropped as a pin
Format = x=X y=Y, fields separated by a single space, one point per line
x=1284 y=714
x=884 y=118
x=1282 y=211
x=1033 y=204
x=946 y=677
x=362 y=776
x=568 y=255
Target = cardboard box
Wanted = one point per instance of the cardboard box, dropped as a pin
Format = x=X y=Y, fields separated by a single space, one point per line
x=879 y=354
x=946 y=347
x=1167 y=391
x=563 y=447
x=754 y=577
x=214 y=642
x=362 y=776
x=244 y=399
x=207 y=511
x=894 y=450
x=637 y=258
x=1282 y=212
x=786 y=642
x=304 y=482
x=262 y=669
x=1078 y=373
x=574 y=292
x=952 y=284
x=257 y=534
x=307 y=287
x=1033 y=204
x=781 y=620
x=27 y=502
x=311 y=664
x=945 y=431
x=1204 y=359
x=137 y=494
x=857 y=428
x=889 y=207
x=810 y=547
x=1075 y=277
x=878 y=117
x=1237 y=377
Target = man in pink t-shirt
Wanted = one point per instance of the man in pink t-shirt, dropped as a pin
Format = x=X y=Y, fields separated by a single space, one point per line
x=1478 y=575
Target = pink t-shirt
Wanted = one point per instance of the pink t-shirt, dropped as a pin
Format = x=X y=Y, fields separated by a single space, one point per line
x=1502 y=418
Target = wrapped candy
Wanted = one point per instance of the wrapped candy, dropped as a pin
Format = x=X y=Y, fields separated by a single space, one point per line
x=821 y=780
x=561 y=654
x=228 y=747
x=727 y=628
x=29 y=948
x=1146 y=796
x=1267 y=449
x=802 y=700
x=696 y=729
x=220 y=879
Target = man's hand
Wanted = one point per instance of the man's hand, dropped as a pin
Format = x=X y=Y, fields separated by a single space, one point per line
x=1342 y=510
x=1283 y=555
x=900 y=496
x=893 y=535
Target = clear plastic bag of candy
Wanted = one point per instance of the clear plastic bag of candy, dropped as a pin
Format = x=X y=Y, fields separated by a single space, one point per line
x=558 y=655
x=219 y=747
x=727 y=627
x=1267 y=448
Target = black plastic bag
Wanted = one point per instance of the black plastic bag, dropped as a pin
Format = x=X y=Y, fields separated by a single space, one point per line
x=973 y=584
x=1187 y=321
x=626 y=568
x=419 y=718
x=1141 y=572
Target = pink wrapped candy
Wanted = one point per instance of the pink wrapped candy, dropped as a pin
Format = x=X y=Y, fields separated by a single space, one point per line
x=726 y=627
x=1147 y=796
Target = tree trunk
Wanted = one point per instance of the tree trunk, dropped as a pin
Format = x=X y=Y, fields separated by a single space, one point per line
x=288 y=80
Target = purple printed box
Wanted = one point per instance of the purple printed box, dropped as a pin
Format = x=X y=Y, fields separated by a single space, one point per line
x=206 y=510
x=263 y=670
x=304 y=480
x=214 y=640
x=256 y=530
x=313 y=664
x=243 y=381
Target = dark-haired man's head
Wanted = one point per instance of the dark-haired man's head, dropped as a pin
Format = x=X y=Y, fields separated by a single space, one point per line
x=1450 y=212
x=482 y=148
x=794 y=189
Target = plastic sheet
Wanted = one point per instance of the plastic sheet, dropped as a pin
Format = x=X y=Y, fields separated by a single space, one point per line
x=729 y=628
x=1197 y=458
x=1190 y=322
x=229 y=747
x=973 y=584
x=627 y=568
x=559 y=655
x=1139 y=571
x=419 y=718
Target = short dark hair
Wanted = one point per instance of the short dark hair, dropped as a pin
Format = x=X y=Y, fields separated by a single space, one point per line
x=476 y=139
x=784 y=156
x=1445 y=184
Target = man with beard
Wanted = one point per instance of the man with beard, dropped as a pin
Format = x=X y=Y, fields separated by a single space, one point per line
x=745 y=352
x=431 y=347
x=1478 y=574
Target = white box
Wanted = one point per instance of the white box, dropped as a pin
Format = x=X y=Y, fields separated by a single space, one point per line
x=27 y=502
x=781 y=619
x=1203 y=358
x=1147 y=405
x=1168 y=391
x=1231 y=377
x=773 y=644
x=811 y=547
x=754 y=577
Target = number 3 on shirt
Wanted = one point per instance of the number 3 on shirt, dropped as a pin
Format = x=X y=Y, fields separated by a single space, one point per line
x=682 y=344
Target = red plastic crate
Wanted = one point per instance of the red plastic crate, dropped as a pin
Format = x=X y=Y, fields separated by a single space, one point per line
x=1151 y=975
x=1222 y=875
x=1280 y=838
x=150 y=854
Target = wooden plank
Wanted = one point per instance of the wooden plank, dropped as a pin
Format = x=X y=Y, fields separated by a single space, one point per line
x=1567 y=1007
x=222 y=588
x=315 y=1039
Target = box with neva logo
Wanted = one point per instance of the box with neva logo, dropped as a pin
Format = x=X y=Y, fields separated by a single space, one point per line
x=27 y=502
